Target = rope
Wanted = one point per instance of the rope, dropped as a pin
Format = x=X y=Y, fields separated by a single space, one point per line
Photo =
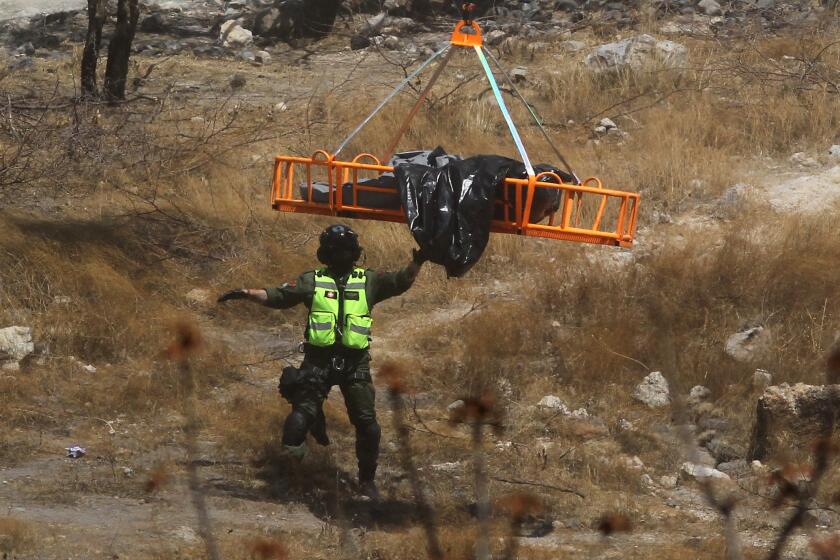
x=390 y=96
x=501 y=102
x=533 y=115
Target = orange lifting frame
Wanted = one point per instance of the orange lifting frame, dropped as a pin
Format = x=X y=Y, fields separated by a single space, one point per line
x=289 y=171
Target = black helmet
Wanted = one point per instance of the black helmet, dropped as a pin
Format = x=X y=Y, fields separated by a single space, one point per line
x=339 y=246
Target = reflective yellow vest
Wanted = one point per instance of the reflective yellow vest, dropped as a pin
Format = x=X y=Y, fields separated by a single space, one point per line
x=329 y=304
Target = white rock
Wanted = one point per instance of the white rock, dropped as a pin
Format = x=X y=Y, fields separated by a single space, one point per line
x=391 y=42
x=633 y=463
x=636 y=53
x=446 y=467
x=376 y=22
x=61 y=300
x=607 y=123
x=553 y=403
x=579 y=414
x=748 y=344
x=394 y=4
x=701 y=471
x=600 y=129
x=710 y=8
x=280 y=107
x=668 y=481
x=698 y=394
x=198 y=295
x=495 y=37
x=90 y=368
x=834 y=151
x=455 y=406
x=15 y=345
x=571 y=47
x=519 y=74
x=197 y=120
x=756 y=467
x=646 y=480
x=762 y=379
x=186 y=534
x=232 y=34
x=803 y=159
x=653 y=391
x=263 y=57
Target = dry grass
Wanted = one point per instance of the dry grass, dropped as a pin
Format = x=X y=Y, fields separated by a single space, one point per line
x=16 y=536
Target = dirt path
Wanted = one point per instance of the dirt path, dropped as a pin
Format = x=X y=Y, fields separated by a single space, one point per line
x=12 y=9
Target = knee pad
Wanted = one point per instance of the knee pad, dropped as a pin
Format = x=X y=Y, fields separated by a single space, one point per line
x=295 y=428
x=369 y=432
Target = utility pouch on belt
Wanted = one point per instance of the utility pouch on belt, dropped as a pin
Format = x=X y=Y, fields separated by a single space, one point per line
x=289 y=381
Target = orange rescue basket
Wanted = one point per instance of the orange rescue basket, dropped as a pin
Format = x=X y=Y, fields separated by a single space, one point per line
x=588 y=212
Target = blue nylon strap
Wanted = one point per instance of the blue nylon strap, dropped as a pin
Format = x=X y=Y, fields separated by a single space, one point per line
x=390 y=96
x=513 y=132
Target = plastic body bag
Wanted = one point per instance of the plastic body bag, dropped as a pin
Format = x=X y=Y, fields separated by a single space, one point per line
x=449 y=204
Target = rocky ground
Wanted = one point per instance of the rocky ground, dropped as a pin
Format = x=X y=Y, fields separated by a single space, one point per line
x=621 y=449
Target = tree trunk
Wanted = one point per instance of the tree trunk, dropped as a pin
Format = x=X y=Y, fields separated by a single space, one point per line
x=119 y=50
x=319 y=17
x=93 y=40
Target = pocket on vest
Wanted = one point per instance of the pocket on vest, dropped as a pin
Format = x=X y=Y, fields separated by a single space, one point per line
x=321 y=328
x=357 y=331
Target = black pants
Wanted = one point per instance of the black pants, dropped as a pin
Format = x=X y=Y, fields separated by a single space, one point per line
x=318 y=374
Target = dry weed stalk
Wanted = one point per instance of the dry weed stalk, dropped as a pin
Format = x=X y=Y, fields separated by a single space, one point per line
x=479 y=412
x=611 y=523
x=187 y=341
x=393 y=376
x=268 y=549
x=518 y=507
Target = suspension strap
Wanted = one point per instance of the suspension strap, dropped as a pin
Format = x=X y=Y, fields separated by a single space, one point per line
x=393 y=144
x=501 y=102
x=390 y=96
x=533 y=115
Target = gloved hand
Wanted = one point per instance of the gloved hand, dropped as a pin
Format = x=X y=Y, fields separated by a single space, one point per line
x=418 y=256
x=238 y=293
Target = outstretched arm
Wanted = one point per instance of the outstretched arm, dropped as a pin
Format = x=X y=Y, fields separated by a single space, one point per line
x=257 y=295
x=282 y=297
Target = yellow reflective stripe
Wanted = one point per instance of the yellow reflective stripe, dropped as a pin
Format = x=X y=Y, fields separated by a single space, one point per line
x=359 y=329
x=320 y=326
x=327 y=285
x=355 y=286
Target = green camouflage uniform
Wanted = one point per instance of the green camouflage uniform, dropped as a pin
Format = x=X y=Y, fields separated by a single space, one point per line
x=322 y=368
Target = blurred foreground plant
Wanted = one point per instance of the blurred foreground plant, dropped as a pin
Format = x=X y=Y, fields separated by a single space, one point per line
x=187 y=342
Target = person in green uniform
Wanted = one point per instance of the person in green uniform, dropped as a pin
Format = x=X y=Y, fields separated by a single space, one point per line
x=340 y=297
